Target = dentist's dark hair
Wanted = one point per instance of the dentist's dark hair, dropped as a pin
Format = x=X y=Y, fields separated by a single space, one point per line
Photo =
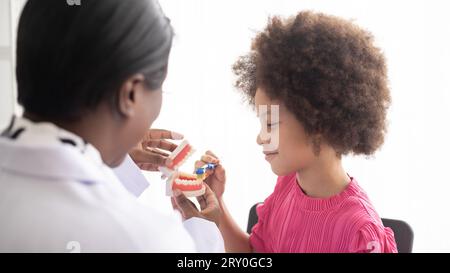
x=72 y=57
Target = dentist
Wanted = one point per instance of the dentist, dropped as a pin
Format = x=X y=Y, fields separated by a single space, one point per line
x=89 y=79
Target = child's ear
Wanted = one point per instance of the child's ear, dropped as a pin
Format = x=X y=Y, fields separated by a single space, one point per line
x=127 y=94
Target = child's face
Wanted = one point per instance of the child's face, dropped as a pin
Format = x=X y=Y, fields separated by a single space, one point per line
x=293 y=151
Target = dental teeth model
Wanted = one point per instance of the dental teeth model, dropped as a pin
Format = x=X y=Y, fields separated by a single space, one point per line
x=181 y=154
x=190 y=184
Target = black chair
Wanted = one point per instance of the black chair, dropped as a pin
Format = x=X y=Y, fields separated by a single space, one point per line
x=404 y=235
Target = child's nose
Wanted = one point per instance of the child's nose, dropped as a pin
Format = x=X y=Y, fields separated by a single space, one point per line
x=263 y=136
x=259 y=140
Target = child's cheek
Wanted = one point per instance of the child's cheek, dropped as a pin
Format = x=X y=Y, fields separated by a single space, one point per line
x=281 y=165
x=292 y=160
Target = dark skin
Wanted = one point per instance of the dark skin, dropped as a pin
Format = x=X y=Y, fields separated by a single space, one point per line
x=116 y=132
x=153 y=150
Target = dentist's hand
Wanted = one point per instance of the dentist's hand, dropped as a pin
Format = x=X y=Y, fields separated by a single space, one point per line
x=216 y=178
x=149 y=153
x=209 y=205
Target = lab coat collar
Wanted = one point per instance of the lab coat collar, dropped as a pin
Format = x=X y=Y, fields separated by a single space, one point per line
x=45 y=150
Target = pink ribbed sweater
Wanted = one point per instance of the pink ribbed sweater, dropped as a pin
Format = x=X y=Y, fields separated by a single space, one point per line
x=290 y=221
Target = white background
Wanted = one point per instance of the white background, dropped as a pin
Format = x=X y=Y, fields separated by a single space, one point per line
x=6 y=76
x=407 y=179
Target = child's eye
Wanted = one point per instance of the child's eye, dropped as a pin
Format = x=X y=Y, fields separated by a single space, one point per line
x=272 y=124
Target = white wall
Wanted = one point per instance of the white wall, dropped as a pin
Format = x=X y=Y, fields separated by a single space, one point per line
x=6 y=76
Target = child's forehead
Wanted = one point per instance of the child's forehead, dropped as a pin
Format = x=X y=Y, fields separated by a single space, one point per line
x=261 y=97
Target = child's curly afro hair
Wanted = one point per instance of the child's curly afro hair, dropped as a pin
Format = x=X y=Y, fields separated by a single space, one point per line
x=327 y=72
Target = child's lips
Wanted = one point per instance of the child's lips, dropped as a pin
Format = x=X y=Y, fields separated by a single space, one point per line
x=270 y=155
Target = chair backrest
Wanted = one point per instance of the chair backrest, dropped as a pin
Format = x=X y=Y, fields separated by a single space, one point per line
x=252 y=218
x=404 y=235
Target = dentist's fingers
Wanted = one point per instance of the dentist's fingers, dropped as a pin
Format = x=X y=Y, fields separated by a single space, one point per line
x=187 y=208
x=163 y=134
x=159 y=143
x=174 y=203
x=148 y=167
x=158 y=159
x=147 y=157
x=175 y=207
x=156 y=151
x=202 y=201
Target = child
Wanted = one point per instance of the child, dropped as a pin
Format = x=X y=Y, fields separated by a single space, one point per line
x=330 y=83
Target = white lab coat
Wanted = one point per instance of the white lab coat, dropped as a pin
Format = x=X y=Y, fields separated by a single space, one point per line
x=57 y=195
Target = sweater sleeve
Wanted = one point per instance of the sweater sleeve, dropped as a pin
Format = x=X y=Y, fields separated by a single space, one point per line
x=374 y=238
x=258 y=234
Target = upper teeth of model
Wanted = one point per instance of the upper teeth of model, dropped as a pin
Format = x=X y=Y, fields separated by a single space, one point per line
x=186 y=182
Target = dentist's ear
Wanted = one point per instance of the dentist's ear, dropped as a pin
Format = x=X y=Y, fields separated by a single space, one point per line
x=128 y=93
